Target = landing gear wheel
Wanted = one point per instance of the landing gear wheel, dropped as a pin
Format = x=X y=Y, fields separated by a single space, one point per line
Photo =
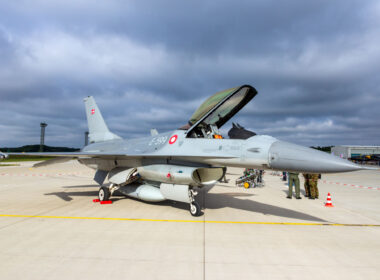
x=195 y=209
x=104 y=194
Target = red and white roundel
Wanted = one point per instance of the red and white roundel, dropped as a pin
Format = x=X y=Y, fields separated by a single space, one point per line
x=173 y=139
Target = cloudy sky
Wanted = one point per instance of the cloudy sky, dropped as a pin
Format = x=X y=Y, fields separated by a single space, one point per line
x=150 y=64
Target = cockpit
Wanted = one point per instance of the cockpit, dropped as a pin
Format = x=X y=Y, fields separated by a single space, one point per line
x=217 y=110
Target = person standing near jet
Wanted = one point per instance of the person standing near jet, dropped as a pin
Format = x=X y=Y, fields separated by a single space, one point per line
x=293 y=179
x=260 y=176
x=313 y=183
x=284 y=176
x=306 y=184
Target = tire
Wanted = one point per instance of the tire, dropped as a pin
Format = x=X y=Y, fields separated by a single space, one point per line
x=104 y=194
x=195 y=209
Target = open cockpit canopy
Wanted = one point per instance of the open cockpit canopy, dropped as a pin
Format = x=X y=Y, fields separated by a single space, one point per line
x=217 y=110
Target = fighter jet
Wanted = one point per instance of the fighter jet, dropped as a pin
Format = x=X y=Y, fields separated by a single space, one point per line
x=173 y=165
x=3 y=156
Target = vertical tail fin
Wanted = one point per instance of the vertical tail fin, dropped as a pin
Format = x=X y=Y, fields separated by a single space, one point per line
x=97 y=128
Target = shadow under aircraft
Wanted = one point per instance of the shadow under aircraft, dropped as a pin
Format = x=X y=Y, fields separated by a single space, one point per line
x=208 y=201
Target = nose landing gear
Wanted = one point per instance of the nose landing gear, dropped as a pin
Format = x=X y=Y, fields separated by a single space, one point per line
x=195 y=209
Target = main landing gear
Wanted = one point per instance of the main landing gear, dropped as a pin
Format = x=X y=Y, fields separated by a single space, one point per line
x=195 y=209
x=106 y=192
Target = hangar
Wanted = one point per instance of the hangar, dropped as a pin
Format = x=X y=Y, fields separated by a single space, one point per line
x=348 y=152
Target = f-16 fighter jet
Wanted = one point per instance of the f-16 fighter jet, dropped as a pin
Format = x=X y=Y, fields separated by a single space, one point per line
x=172 y=165
x=2 y=155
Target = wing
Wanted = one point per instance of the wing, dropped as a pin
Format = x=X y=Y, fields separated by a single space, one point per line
x=63 y=157
x=114 y=155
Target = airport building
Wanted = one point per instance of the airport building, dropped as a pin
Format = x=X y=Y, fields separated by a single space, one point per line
x=354 y=151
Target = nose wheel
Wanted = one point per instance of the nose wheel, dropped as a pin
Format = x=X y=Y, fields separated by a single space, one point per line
x=195 y=209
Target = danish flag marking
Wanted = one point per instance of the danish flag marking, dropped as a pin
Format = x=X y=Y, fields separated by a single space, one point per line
x=173 y=139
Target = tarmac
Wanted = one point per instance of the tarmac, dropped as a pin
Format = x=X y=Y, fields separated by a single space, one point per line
x=51 y=229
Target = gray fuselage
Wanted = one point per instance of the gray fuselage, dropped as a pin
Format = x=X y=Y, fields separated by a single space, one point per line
x=260 y=152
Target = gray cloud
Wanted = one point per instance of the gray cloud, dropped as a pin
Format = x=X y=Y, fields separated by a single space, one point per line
x=150 y=64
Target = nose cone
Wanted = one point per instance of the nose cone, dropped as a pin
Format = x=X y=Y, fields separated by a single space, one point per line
x=291 y=157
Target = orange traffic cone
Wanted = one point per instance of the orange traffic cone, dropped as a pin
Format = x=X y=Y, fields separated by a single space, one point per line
x=328 y=201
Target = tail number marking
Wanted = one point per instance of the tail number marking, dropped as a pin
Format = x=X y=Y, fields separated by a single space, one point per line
x=156 y=141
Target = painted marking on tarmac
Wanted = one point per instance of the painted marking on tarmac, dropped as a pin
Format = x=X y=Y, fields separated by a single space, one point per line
x=187 y=221
x=351 y=185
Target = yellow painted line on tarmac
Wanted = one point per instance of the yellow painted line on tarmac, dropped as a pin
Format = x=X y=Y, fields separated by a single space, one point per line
x=186 y=221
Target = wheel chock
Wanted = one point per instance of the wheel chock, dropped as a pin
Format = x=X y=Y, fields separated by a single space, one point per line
x=96 y=200
x=106 y=202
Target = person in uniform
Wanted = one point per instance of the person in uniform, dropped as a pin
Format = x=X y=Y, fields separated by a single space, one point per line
x=284 y=176
x=313 y=183
x=259 y=176
x=306 y=184
x=294 y=180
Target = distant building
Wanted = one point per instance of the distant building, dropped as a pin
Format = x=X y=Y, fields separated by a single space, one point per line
x=354 y=151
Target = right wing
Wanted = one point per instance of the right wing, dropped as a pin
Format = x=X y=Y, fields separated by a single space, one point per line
x=63 y=157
